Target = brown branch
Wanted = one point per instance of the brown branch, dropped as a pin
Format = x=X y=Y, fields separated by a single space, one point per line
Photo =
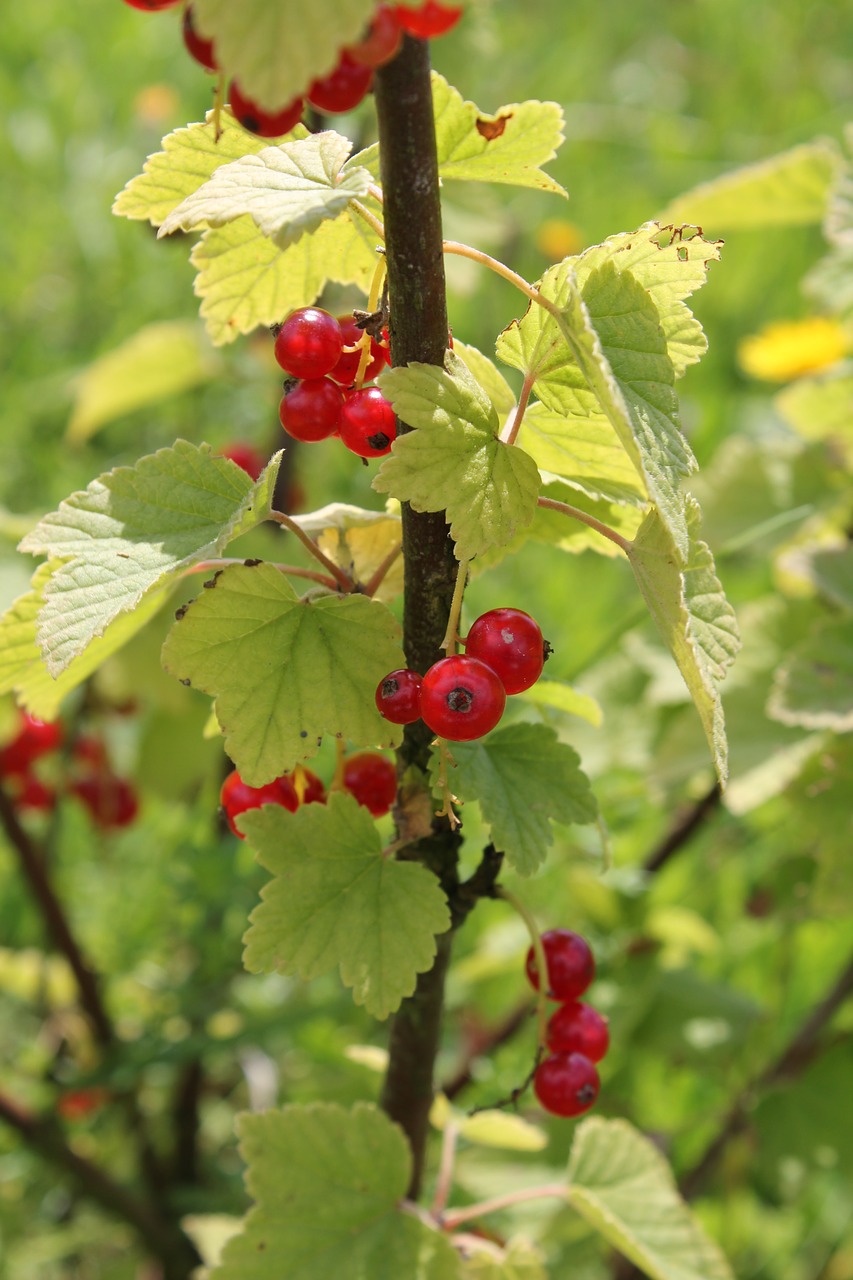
x=684 y=829
x=483 y=1041
x=186 y=1123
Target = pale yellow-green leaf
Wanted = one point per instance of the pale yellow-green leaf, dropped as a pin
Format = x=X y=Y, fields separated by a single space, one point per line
x=518 y=1260
x=488 y=375
x=583 y=450
x=503 y=1130
x=562 y=697
x=361 y=551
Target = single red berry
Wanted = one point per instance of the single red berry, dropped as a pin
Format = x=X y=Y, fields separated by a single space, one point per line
x=264 y=124
x=112 y=802
x=246 y=456
x=32 y=793
x=34 y=739
x=197 y=47
x=398 y=696
x=510 y=642
x=566 y=1084
x=381 y=40
x=309 y=343
x=431 y=19
x=341 y=90
x=74 y=1104
x=367 y=423
x=236 y=796
x=372 y=779
x=310 y=410
x=347 y=367
x=461 y=698
x=571 y=964
x=152 y=5
x=578 y=1028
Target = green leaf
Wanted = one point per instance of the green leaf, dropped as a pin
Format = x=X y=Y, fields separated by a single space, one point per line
x=819 y=407
x=337 y=899
x=502 y=1130
x=287 y=190
x=507 y=147
x=285 y=671
x=584 y=451
x=814 y=686
x=133 y=529
x=523 y=779
x=831 y=572
x=454 y=461
x=488 y=375
x=518 y=1260
x=693 y=616
x=22 y=667
x=789 y=189
x=622 y=1185
x=563 y=697
x=159 y=361
x=327 y=1185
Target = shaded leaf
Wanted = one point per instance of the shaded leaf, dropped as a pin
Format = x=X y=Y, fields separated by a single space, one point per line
x=814 y=686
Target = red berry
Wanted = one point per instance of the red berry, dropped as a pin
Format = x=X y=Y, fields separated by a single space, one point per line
x=112 y=802
x=34 y=739
x=152 y=5
x=566 y=1084
x=32 y=793
x=347 y=367
x=309 y=343
x=307 y=787
x=578 y=1028
x=197 y=47
x=367 y=423
x=246 y=456
x=571 y=964
x=510 y=642
x=372 y=779
x=265 y=124
x=236 y=796
x=461 y=698
x=431 y=19
x=310 y=410
x=381 y=40
x=343 y=89
x=398 y=696
x=74 y=1104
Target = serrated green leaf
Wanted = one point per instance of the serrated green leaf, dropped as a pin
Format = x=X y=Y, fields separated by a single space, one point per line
x=506 y=147
x=523 y=779
x=327 y=1185
x=285 y=671
x=622 y=1185
x=133 y=529
x=563 y=697
x=22 y=668
x=454 y=461
x=586 y=452
x=693 y=616
x=287 y=190
x=489 y=377
x=814 y=686
x=159 y=361
x=337 y=900
x=518 y=1260
x=789 y=189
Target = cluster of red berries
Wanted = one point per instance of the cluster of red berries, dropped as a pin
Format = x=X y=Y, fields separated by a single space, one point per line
x=369 y=777
x=566 y=1081
x=323 y=354
x=346 y=85
x=463 y=697
x=111 y=801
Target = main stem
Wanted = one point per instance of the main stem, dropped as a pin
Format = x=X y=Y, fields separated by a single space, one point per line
x=418 y=331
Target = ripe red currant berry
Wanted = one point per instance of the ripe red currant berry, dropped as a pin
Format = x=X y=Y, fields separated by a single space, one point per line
x=236 y=796
x=34 y=739
x=398 y=696
x=197 y=47
x=566 y=1084
x=74 y=1104
x=343 y=89
x=346 y=369
x=510 y=642
x=372 y=779
x=308 y=343
x=246 y=456
x=152 y=5
x=264 y=124
x=578 y=1028
x=431 y=19
x=112 y=802
x=367 y=423
x=381 y=40
x=32 y=793
x=307 y=787
x=461 y=698
x=571 y=965
x=310 y=410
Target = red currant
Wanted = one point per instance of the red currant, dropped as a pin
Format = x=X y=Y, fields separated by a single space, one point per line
x=566 y=1084
x=246 y=456
x=310 y=410
x=74 y=1104
x=347 y=367
x=431 y=19
x=381 y=40
x=461 y=698
x=236 y=796
x=578 y=1028
x=34 y=739
x=112 y=802
x=32 y=793
x=343 y=89
x=152 y=5
x=307 y=787
x=372 y=779
x=398 y=696
x=197 y=47
x=265 y=124
x=309 y=343
x=510 y=642
x=367 y=424
x=571 y=964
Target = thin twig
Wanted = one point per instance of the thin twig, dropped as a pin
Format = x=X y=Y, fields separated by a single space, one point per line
x=455 y=1217
x=343 y=580
x=368 y=217
x=451 y=635
x=520 y=408
x=494 y=264
x=444 y=1180
x=378 y=576
x=684 y=829
x=576 y=514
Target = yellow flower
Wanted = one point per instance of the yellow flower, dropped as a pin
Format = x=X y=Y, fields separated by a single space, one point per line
x=789 y=348
x=556 y=238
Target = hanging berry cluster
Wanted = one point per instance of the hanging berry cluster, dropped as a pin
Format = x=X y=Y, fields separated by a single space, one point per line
x=348 y=82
